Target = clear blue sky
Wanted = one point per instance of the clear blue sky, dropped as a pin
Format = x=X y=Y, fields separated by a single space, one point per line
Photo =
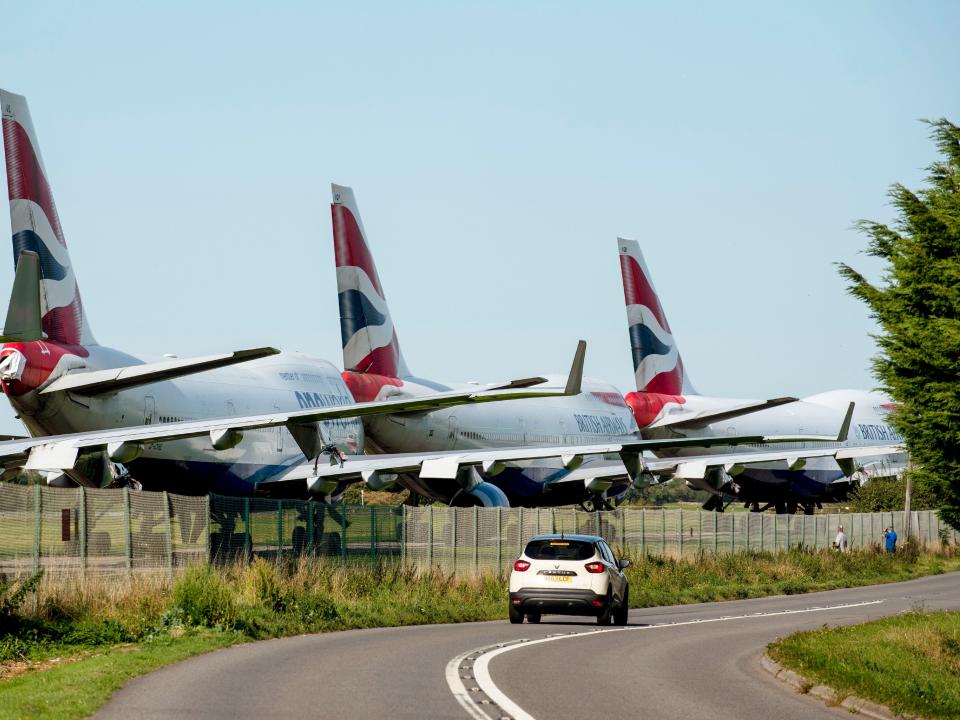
x=497 y=150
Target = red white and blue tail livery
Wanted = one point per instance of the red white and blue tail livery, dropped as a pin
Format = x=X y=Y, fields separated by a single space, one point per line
x=657 y=365
x=369 y=338
x=36 y=227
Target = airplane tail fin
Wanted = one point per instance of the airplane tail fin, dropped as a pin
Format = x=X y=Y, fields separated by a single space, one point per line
x=369 y=338
x=657 y=365
x=36 y=226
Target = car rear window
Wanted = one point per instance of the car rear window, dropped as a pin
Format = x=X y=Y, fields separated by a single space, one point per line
x=559 y=550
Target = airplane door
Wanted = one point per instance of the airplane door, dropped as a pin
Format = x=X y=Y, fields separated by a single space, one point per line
x=279 y=432
x=149 y=410
x=452 y=431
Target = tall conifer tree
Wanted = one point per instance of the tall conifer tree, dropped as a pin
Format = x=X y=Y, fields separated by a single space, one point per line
x=918 y=308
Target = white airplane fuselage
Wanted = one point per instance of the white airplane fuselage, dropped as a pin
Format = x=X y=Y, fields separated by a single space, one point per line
x=819 y=414
x=597 y=415
x=283 y=382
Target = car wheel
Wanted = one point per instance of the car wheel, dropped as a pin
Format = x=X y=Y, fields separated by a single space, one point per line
x=533 y=618
x=607 y=613
x=623 y=609
x=516 y=617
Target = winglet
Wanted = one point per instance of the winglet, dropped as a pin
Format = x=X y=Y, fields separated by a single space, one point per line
x=576 y=370
x=845 y=428
x=23 y=313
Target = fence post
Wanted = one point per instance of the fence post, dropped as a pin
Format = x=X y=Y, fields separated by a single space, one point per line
x=126 y=527
x=714 y=532
x=206 y=531
x=453 y=535
x=403 y=534
x=643 y=532
x=789 y=523
x=596 y=522
x=247 y=535
x=82 y=527
x=500 y=540
x=168 y=535
x=520 y=533
x=680 y=531
x=733 y=533
x=430 y=539
x=622 y=514
x=476 y=541
x=279 y=528
x=373 y=532
x=37 y=520
x=748 y=516
x=762 y=535
x=343 y=533
x=310 y=531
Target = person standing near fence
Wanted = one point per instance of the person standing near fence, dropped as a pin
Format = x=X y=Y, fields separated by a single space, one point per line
x=840 y=542
x=890 y=539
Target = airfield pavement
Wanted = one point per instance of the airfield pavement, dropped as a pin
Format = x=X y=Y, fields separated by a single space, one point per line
x=670 y=662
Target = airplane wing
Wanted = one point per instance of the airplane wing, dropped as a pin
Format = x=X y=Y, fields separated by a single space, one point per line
x=446 y=464
x=98 y=382
x=691 y=467
x=701 y=418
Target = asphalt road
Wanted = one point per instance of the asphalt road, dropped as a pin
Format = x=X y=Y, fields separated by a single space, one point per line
x=673 y=662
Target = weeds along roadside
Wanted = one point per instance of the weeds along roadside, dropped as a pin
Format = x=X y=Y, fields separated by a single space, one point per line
x=909 y=662
x=265 y=599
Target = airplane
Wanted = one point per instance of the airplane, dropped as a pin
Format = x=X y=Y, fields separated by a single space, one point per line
x=665 y=404
x=577 y=449
x=230 y=423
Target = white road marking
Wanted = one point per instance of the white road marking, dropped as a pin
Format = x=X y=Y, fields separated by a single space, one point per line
x=483 y=683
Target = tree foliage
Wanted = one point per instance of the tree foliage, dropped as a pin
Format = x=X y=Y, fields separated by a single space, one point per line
x=883 y=494
x=918 y=308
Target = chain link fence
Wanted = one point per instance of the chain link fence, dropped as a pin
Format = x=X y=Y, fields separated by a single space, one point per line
x=69 y=532
x=75 y=531
x=241 y=528
x=489 y=539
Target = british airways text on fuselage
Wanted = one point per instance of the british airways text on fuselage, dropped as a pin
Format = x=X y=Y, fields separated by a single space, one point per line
x=601 y=424
x=315 y=400
x=879 y=432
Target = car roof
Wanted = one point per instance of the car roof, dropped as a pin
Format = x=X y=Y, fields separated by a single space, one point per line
x=566 y=536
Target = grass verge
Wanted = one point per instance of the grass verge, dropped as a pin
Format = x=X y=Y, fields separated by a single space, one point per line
x=109 y=631
x=910 y=663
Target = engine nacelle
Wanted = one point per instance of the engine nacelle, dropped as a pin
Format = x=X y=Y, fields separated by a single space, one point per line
x=487 y=495
x=124 y=452
x=225 y=439
x=379 y=480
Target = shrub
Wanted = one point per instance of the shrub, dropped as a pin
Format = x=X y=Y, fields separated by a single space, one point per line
x=204 y=597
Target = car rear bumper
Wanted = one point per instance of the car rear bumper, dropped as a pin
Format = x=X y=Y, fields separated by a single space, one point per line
x=568 y=601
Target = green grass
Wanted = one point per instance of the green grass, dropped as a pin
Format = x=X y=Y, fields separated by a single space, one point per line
x=155 y=622
x=911 y=663
x=77 y=689
x=659 y=581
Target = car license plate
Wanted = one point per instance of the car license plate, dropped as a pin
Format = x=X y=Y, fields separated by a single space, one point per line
x=560 y=578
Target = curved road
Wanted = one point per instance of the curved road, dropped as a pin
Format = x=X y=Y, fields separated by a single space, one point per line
x=672 y=662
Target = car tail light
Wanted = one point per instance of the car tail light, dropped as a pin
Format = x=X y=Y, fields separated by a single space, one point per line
x=594 y=567
x=597 y=603
x=521 y=565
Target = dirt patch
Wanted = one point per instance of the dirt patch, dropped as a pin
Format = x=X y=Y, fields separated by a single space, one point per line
x=15 y=668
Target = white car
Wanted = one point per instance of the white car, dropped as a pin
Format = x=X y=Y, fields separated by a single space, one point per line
x=569 y=575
